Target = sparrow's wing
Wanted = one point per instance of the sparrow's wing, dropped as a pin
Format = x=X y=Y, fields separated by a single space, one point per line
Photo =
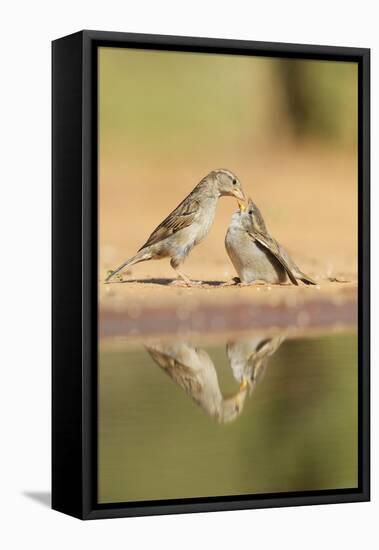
x=258 y=221
x=183 y=375
x=183 y=216
x=295 y=269
x=258 y=360
x=264 y=238
x=256 y=365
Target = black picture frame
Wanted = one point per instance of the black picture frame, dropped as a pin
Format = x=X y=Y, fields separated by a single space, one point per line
x=74 y=272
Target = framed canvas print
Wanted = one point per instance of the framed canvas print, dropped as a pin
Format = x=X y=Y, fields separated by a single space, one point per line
x=210 y=274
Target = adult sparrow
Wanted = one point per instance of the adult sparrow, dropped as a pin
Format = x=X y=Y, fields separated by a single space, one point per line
x=188 y=224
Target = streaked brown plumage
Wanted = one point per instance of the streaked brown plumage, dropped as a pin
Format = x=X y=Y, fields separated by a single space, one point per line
x=188 y=224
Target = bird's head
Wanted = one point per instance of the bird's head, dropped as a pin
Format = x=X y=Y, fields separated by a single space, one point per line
x=239 y=215
x=232 y=406
x=248 y=208
x=228 y=184
x=250 y=215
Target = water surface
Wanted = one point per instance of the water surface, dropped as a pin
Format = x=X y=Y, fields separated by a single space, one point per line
x=213 y=417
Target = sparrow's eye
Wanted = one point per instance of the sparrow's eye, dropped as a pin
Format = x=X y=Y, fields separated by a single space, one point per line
x=250 y=212
x=234 y=181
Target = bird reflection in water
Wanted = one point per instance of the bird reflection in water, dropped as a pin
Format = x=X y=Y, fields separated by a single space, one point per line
x=194 y=371
x=248 y=358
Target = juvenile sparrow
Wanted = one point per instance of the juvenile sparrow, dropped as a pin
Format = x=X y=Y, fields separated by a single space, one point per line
x=193 y=370
x=256 y=255
x=188 y=224
x=248 y=357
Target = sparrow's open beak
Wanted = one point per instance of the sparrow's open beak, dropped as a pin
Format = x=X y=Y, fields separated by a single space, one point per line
x=243 y=384
x=241 y=205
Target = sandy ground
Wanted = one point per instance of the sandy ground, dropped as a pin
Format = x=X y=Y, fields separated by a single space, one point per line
x=308 y=198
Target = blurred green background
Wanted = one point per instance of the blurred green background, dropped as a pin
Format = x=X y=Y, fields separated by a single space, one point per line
x=296 y=432
x=168 y=99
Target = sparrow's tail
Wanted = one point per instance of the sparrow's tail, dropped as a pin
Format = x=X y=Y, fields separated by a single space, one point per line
x=305 y=278
x=141 y=256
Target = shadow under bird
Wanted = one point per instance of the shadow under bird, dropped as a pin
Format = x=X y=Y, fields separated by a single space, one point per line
x=188 y=224
x=255 y=254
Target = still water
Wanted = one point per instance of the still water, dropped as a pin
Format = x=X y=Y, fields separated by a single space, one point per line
x=239 y=415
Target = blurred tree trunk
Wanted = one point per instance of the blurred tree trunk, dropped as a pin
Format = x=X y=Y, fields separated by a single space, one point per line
x=296 y=102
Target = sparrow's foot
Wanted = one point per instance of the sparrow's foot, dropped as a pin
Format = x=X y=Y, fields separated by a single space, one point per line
x=232 y=282
x=186 y=283
x=253 y=283
x=179 y=283
x=186 y=280
x=196 y=283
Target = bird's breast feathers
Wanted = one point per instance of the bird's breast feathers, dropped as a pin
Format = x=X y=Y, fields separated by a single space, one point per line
x=204 y=220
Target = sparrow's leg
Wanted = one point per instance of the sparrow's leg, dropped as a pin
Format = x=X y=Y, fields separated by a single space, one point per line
x=175 y=262
x=184 y=277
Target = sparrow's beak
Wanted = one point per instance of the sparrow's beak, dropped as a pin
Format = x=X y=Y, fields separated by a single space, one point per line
x=241 y=205
x=241 y=395
x=239 y=194
x=243 y=384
